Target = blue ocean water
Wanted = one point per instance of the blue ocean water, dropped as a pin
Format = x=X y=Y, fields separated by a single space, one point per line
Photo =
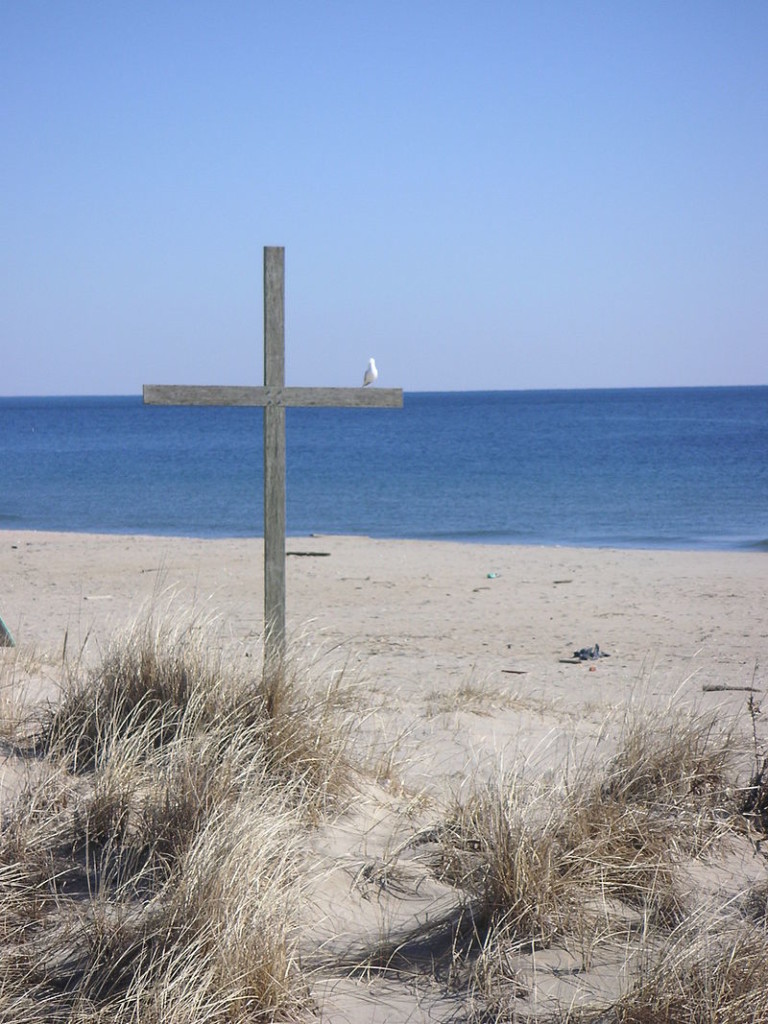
x=677 y=468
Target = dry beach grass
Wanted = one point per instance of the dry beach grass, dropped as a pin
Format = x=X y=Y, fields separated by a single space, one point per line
x=149 y=856
x=180 y=843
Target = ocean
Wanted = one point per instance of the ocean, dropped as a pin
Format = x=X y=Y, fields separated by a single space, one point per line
x=656 y=468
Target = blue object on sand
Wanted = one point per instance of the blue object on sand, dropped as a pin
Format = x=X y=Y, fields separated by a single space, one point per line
x=6 y=637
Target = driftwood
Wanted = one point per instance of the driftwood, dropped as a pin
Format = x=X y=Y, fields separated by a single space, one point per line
x=716 y=688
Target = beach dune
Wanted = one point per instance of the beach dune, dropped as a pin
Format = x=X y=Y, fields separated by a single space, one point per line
x=461 y=661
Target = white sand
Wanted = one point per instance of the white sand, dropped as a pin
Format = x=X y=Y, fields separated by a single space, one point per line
x=462 y=654
x=416 y=613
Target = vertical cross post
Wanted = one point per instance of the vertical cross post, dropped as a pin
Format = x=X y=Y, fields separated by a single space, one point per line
x=274 y=461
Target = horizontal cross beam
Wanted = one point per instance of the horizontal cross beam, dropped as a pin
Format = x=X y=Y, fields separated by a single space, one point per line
x=347 y=398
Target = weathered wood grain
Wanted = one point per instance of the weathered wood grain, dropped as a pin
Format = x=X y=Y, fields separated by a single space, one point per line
x=274 y=463
x=345 y=398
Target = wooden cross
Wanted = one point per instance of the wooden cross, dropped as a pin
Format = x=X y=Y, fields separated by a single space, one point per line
x=274 y=397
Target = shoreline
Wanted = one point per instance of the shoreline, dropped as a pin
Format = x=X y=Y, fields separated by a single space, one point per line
x=756 y=546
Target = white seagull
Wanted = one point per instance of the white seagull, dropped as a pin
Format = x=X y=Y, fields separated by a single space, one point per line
x=371 y=373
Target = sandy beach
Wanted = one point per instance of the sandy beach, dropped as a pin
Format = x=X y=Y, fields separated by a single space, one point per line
x=418 y=615
x=463 y=655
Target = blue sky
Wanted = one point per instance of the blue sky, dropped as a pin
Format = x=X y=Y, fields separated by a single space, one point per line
x=481 y=194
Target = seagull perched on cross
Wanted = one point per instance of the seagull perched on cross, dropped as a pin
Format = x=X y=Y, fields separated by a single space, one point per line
x=371 y=373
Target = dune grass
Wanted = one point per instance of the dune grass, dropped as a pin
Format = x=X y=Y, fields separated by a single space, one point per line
x=593 y=857
x=534 y=855
x=148 y=867
x=700 y=975
x=152 y=862
x=161 y=683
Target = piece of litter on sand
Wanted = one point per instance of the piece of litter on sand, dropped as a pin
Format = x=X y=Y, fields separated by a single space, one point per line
x=515 y=671
x=590 y=653
x=492 y=576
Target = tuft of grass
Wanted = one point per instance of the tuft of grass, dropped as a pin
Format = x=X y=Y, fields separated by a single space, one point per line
x=700 y=975
x=152 y=675
x=534 y=857
x=539 y=864
x=165 y=682
x=679 y=764
x=19 y=667
x=218 y=935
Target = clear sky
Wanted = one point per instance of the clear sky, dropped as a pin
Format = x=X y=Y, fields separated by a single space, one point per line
x=479 y=193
